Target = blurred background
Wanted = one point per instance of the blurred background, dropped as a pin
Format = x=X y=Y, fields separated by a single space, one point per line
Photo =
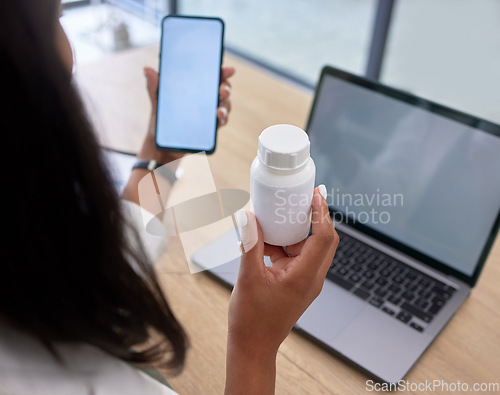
x=447 y=51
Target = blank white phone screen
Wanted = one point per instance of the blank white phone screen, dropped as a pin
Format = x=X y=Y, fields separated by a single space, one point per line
x=191 y=50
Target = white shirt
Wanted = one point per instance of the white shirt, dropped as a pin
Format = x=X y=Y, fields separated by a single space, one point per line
x=27 y=367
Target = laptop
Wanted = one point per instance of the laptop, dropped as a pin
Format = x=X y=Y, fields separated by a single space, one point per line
x=414 y=188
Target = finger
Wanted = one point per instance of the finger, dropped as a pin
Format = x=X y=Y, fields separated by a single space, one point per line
x=317 y=248
x=223 y=111
x=222 y=115
x=323 y=220
x=152 y=81
x=327 y=262
x=225 y=103
x=252 y=258
x=224 y=91
x=274 y=252
x=227 y=72
x=295 y=249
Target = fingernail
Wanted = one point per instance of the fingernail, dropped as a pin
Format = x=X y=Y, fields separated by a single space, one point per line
x=241 y=218
x=227 y=88
x=248 y=230
x=322 y=191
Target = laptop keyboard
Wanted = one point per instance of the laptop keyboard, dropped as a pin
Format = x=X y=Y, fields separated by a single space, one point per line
x=399 y=290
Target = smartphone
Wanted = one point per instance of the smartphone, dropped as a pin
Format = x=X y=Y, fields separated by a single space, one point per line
x=191 y=52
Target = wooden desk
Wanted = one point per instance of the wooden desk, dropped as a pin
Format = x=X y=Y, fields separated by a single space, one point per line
x=468 y=349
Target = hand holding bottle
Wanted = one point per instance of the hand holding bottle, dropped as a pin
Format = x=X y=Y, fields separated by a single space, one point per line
x=267 y=301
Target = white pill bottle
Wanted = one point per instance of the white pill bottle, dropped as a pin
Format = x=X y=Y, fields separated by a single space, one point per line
x=282 y=180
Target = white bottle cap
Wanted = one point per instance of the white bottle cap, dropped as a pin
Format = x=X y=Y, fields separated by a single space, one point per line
x=283 y=147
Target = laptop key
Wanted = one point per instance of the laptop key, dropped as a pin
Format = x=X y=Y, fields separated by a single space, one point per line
x=361 y=293
x=424 y=283
x=416 y=312
x=411 y=287
x=442 y=293
x=438 y=300
x=388 y=310
x=394 y=299
x=368 y=285
x=340 y=281
x=403 y=316
x=368 y=274
x=398 y=269
x=411 y=275
x=417 y=327
x=394 y=288
x=381 y=281
x=376 y=302
x=355 y=278
x=449 y=289
x=437 y=304
x=421 y=303
x=426 y=295
x=356 y=268
x=408 y=296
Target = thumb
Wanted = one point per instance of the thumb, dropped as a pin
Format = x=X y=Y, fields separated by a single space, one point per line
x=152 y=81
x=252 y=244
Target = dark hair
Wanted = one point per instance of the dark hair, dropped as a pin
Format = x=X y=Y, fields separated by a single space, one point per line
x=67 y=271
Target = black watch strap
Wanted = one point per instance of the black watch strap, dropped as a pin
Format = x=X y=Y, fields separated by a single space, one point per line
x=153 y=165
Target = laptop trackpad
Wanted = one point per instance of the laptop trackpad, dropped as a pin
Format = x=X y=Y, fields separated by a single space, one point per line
x=342 y=308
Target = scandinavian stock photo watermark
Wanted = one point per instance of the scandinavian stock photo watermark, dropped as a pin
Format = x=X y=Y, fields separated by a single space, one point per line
x=364 y=208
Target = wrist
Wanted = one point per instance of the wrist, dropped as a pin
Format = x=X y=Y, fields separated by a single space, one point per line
x=149 y=151
x=158 y=183
x=250 y=369
x=255 y=343
x=167 y=171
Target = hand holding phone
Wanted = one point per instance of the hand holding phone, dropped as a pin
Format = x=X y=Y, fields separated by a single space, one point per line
x=189 y=78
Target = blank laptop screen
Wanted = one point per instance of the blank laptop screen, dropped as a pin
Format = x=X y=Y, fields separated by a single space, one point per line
x=421 y=178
